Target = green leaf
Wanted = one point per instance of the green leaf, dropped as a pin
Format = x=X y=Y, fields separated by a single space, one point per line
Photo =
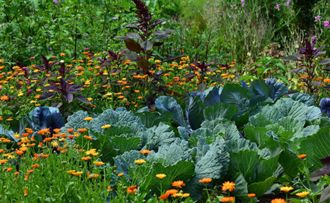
x=182 y=170
x=157 y=136
x=290 y=163
x=234 y=94
x=166 y=104
x=169 y=154
x=316 y=147
x=259 y=188
x=220 y=111
x=214 y=163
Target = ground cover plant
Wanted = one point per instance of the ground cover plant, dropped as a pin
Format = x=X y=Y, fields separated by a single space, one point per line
x=157 y=101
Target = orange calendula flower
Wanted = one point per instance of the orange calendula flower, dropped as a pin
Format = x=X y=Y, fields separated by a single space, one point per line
x=4 y=98
x=82 y=130
x=278 y=200
x=286 y=189
x=205 y=180
x=302 y=156
x=160 y=175
x=302 y=194
x=26 y=192
x=70 y=130
x=35 y=165
x=227 y=199
x=178 y=184
x=88 y=118
x=98 y=163
x=140 y=161
x=86 y=158
x=327 y=80
x=19 y=152
x=168 y=193
x=145 y=151
x=87 y=137
x=57 y=130
x=228 y=185
x=45 y=131
x=2 y=151
x=251 y=195
x=9 y=169
x=132 y=189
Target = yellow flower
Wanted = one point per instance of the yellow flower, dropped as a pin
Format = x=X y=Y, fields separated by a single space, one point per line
x=286 y=189
x=230 y=186
x=54 y=144
x=106 y=126
x=86 y=158
x=98 y=163
x=302 y=194
x=140 y=161
x=93 y=176
x=88 y=118
x=161 y=175
x=92 y=152
x=77 y=173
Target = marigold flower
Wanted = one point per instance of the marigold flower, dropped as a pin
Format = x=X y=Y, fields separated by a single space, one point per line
x=88 y=118
x=132 y=189
x=120 y=174
x=140 y=161
x=205 y=180
x=178 y=184
x=106 y=126
x=2 y=151
x=286 y=189
x=230 y=186
x=302 y=156
x=278 y=200
x=98 y=163
x=302 y=194
x=160 y=175
x=77 y=173
x=227 y=199
x=251 y=195
x=145 y=151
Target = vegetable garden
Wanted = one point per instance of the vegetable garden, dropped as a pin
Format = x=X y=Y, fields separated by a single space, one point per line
x=158 y=101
